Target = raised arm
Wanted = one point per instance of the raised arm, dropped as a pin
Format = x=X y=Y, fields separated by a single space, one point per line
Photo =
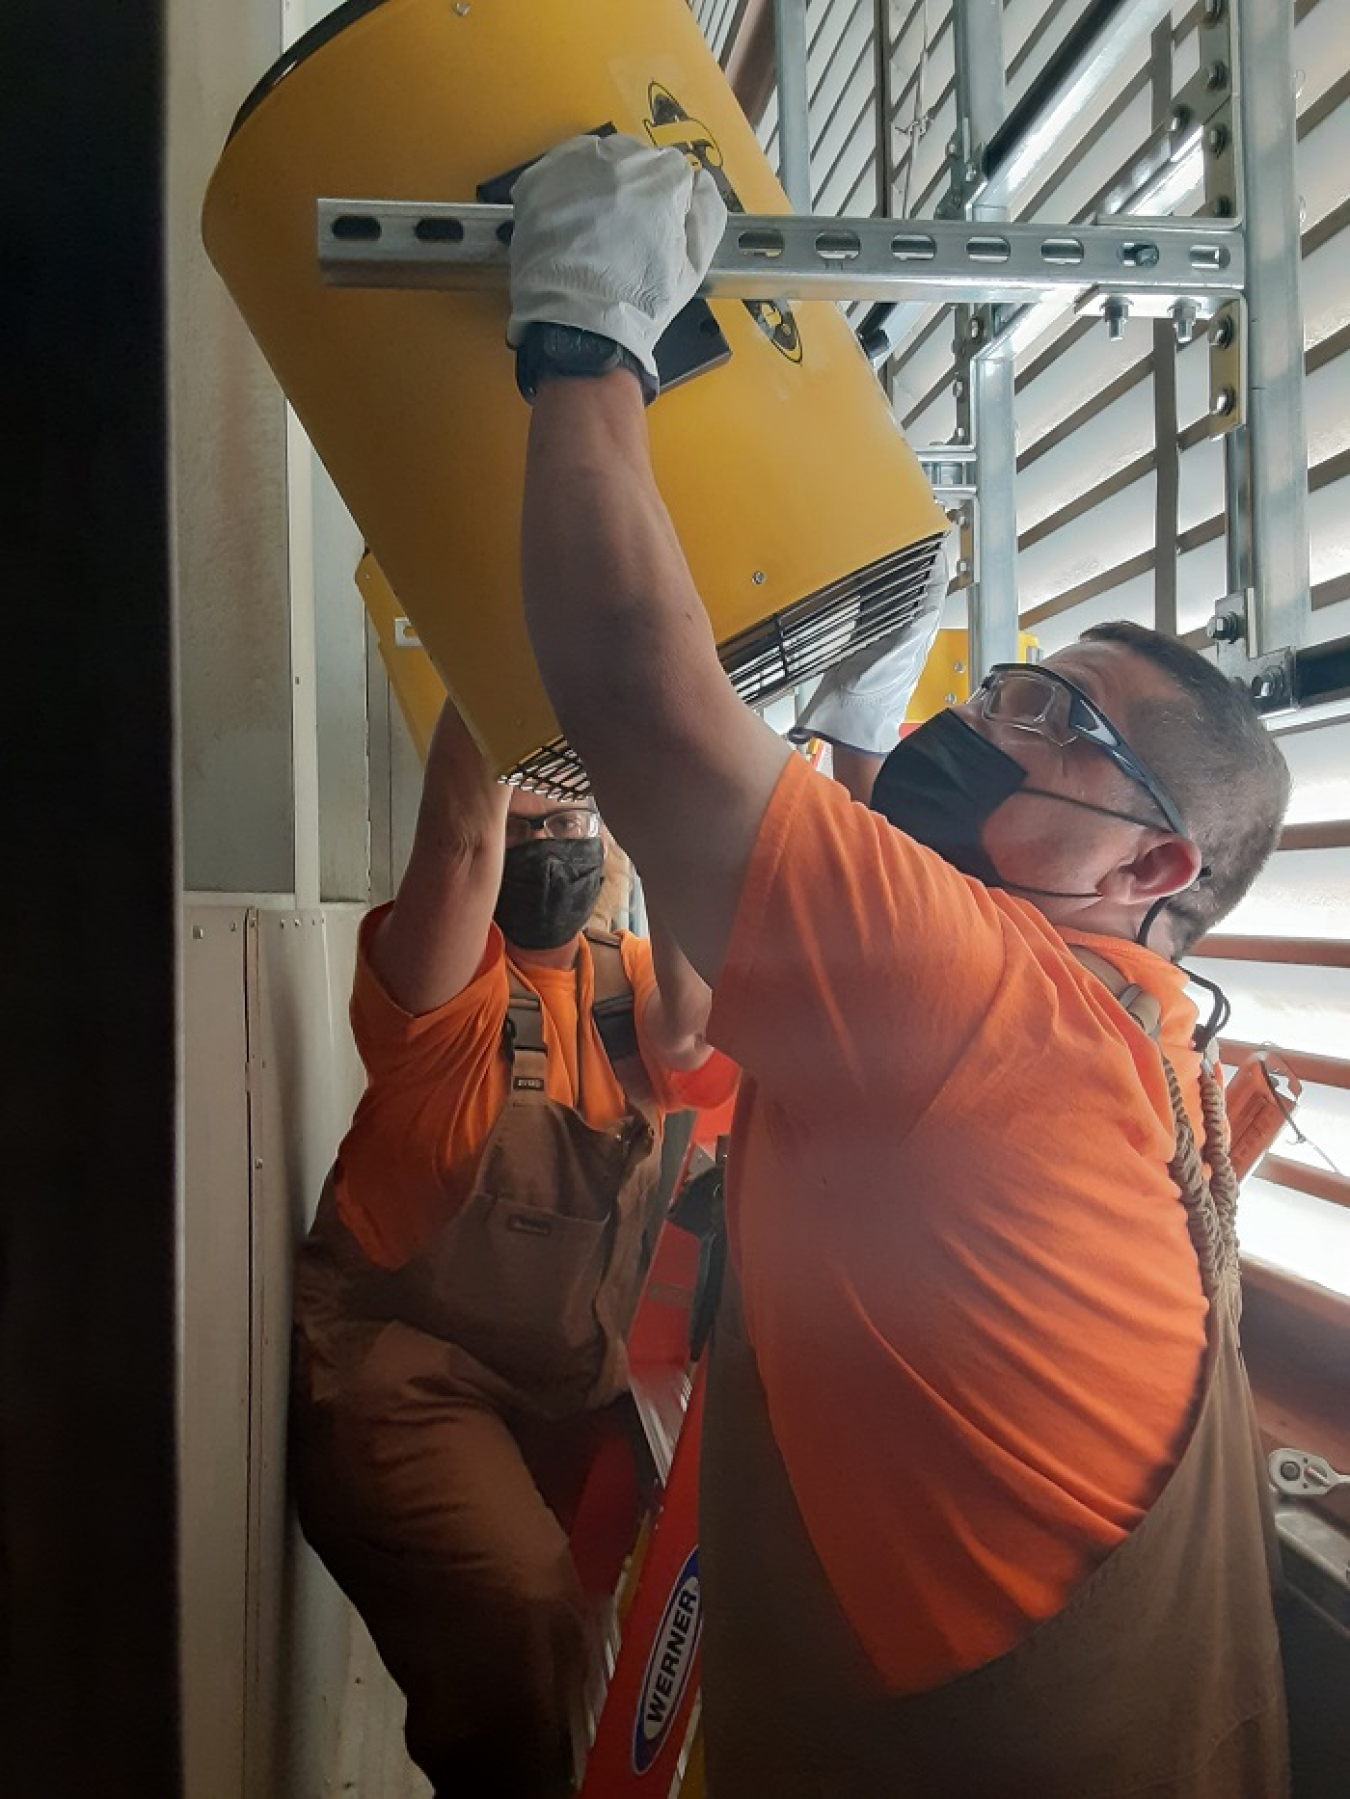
x=430 y=943
x=677 y=1012
x=682 y=770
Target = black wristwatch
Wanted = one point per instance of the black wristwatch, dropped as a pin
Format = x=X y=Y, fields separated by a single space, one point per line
x=570 y=353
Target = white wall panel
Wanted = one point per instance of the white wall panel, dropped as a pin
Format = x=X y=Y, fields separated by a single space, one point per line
x=1299 y=893
x=229 y=485
x=1088 y=545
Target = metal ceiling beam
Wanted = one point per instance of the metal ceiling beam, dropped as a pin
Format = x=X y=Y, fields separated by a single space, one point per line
x=1106 y=38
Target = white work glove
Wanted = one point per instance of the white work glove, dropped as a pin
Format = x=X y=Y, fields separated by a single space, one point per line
x=611 y=236
x=862 y=700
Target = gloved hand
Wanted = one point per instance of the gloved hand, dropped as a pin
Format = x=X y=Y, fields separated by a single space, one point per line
x=861 y=701
x=611 y=236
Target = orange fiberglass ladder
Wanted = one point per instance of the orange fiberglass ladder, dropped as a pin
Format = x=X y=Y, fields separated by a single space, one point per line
x=645 y=1743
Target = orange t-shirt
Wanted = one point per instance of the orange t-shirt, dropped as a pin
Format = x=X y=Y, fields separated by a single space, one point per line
x=967 y=1276
x=436 y=1085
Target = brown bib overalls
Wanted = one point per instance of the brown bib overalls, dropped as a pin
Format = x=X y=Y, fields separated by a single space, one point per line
x=1160 y=1679
x=443 y=1416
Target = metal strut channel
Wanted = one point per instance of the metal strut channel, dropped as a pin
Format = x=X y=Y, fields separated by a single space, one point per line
x=406 y=243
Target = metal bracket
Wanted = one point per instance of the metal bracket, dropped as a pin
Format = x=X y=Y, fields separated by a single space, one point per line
x=1227 y=368
x=1272 y=680
x=1303 y=1475
x=951 y=472
x=1208 y=98
x=404 y=243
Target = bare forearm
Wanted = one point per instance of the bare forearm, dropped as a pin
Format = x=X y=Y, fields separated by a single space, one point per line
x=432 y=940
x=613 y=614
x=677 y=1014
x=682 y=770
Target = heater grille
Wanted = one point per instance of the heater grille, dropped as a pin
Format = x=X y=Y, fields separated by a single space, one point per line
x=792 y=646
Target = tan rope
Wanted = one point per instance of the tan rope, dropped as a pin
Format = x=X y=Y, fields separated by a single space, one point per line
x=1210 y=1201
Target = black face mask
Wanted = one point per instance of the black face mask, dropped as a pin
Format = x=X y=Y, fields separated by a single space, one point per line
x=943 y=783
x=548 y=891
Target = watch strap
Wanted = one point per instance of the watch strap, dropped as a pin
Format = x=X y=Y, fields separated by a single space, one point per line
x=533 y=364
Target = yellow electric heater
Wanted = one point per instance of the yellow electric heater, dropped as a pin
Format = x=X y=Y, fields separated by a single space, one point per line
x=806 y=519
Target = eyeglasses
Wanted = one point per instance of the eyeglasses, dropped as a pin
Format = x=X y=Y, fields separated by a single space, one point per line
x=572 y=825
x=1045 y=703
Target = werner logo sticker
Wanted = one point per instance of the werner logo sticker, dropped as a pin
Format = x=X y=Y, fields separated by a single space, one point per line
x=669 y=1665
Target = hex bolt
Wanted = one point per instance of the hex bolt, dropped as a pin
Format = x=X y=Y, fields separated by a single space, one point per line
x=959 y=389
x=1183 y=320
x=1115 y=312
x=1217 y=139
x=976 y=328
x=1223 y=402
x=1180 y=118
x=461 y=10
x=1263 y=687
x=949 y=699
x=1221 y=332
x=958 y=668
x=1224 y=627
x=758 y=577
x=963 y=566
x=1216 y=76
x=1213 y=11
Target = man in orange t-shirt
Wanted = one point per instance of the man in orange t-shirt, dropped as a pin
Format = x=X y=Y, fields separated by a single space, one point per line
x=982 y=1509
x=462 y=1301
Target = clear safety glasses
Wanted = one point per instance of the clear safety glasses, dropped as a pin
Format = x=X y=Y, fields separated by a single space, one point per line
x=1045 y=703
x=571 y=824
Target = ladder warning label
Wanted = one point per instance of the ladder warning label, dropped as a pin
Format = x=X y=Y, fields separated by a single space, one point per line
x=668 y=1666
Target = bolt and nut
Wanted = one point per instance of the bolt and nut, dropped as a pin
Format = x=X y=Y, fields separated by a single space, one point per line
x=1223 y=402
x=1116 y=312
x=1224 y=627
x=1183 y=320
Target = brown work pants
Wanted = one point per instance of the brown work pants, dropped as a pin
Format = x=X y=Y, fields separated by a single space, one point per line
x=444 y=1518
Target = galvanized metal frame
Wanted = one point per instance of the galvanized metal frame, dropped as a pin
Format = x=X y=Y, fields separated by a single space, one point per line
x=1238 y=266
x=794 y=127
x=984 y=385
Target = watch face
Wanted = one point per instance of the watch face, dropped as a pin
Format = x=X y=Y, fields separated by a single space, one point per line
x=569 y=347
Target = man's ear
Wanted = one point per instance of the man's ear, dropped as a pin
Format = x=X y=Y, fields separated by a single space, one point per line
x=1165 y=865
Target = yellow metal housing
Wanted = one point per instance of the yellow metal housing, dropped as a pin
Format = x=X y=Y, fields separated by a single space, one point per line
x=791 y=488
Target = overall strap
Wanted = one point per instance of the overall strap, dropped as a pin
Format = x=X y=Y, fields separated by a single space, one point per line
x=1210 y=1199
x=1141 y=1006
x=613 y=1005
x=523 y=1041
